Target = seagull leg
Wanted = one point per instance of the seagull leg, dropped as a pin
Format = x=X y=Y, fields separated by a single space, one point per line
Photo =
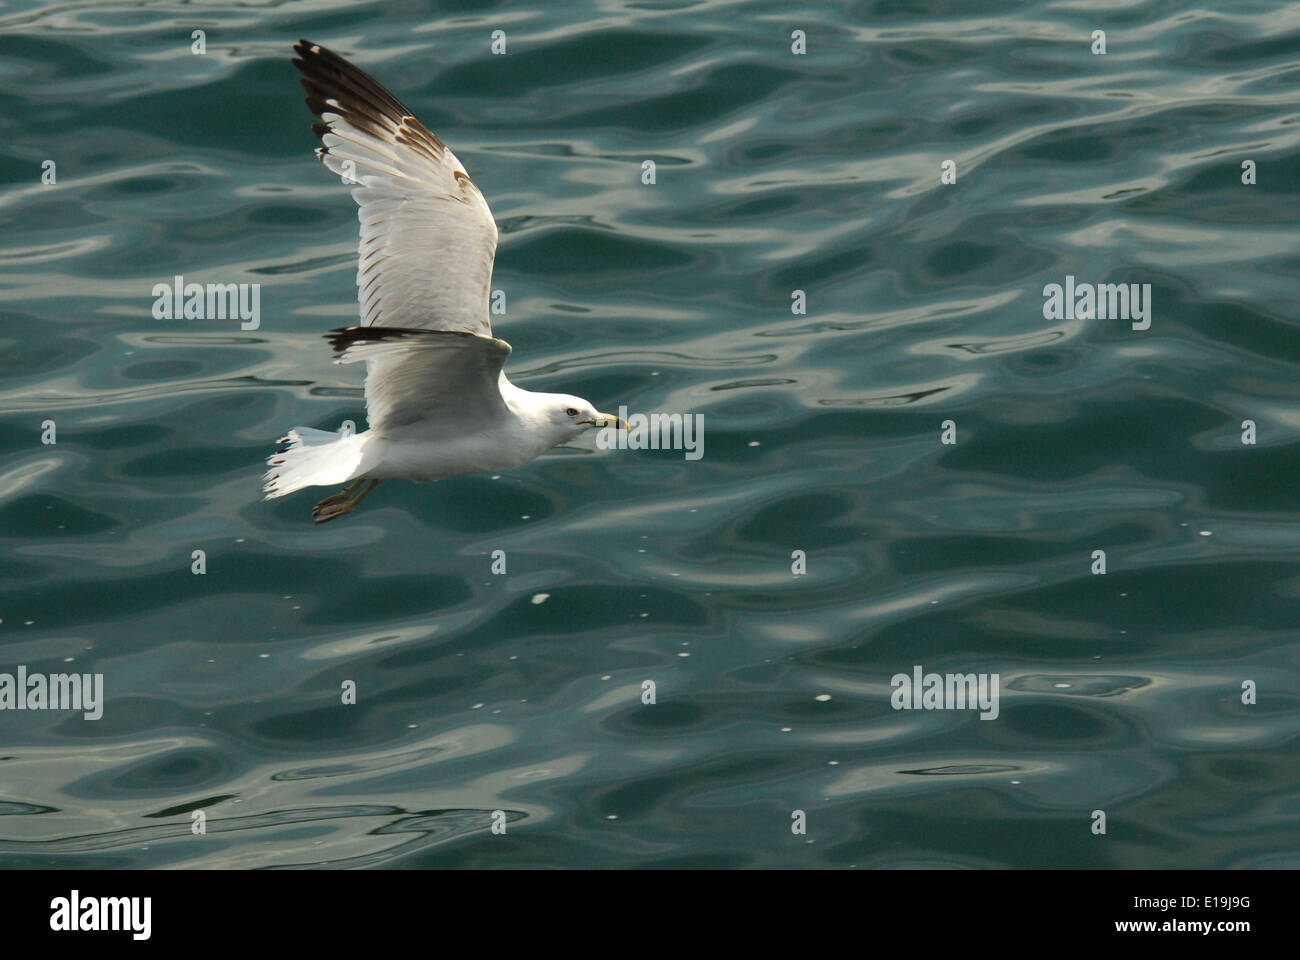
x=363 y=494
x=325 y=510
x=338 y=497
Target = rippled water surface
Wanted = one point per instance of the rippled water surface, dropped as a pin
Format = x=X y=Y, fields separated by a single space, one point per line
x=521 y=692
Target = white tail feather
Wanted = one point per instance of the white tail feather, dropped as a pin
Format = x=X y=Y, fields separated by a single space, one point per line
x=314 y=458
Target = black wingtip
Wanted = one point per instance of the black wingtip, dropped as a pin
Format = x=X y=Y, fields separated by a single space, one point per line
x=326 y=76
x=342 y=338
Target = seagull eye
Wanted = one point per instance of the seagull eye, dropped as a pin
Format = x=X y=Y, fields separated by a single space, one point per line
x=571 y=412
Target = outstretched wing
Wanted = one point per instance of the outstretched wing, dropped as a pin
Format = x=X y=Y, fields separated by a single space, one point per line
x=428 y=239
x=440 y=378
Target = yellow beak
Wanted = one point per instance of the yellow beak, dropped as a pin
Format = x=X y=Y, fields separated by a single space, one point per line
x=606 y=420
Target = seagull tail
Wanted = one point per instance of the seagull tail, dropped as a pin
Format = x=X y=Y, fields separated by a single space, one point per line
x=314 y=458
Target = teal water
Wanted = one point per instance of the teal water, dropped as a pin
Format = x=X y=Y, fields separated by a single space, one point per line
x=775 y=172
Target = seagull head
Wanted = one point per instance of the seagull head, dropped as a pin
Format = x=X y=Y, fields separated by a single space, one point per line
x=572 y=416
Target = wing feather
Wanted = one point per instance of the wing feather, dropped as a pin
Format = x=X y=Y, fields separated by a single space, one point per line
x=428 y=240
x=415 y=375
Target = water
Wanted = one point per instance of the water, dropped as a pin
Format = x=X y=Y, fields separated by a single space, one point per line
x=775 y=172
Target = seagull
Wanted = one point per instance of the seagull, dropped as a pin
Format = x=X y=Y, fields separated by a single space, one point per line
x=438 y=401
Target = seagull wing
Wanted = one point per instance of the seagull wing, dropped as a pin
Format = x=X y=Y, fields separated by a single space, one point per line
x=446 y=377
x=428 y=239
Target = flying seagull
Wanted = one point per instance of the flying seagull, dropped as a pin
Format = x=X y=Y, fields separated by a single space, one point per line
x=437 y=399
